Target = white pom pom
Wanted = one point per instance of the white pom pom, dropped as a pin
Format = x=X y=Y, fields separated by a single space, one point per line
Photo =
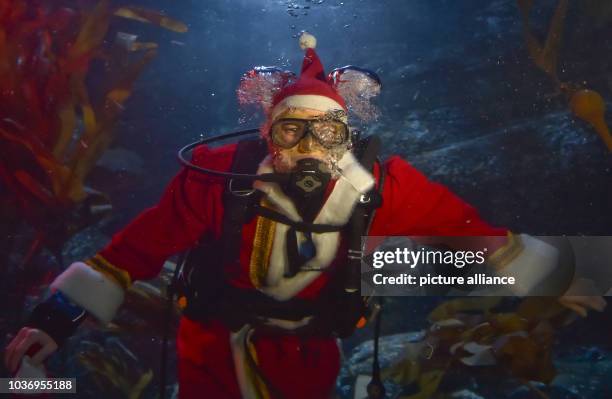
x=307 y=41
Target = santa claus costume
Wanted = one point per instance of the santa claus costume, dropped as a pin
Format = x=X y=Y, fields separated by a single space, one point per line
x=220 y=361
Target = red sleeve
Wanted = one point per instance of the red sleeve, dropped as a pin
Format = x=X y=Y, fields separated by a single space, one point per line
x=414 y=206
x=190 y=206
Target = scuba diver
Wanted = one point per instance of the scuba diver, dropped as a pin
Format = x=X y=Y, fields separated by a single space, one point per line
x=274 y=226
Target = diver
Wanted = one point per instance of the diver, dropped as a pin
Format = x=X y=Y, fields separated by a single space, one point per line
x=276 y=225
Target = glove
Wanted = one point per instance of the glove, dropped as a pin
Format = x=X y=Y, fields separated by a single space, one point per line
x=48 y=327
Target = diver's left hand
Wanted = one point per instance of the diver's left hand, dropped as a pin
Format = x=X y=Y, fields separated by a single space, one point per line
x=583 y=296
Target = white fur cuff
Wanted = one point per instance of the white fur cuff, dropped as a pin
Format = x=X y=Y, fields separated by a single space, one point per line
x=91 y=290
x=312 y=101
x=533 y=265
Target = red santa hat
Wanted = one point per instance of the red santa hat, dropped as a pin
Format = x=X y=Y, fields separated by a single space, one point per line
x=311 y=90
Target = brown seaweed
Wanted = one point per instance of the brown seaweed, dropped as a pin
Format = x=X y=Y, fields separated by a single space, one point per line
x=470 y=332
x=111 y=369
x=585 y=104
x=52 y=128
x=151 y=16
x=545 y=55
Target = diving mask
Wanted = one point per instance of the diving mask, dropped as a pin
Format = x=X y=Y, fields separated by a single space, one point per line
x=287 y=132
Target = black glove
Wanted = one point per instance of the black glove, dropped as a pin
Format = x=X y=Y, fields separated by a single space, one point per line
x=57 y=316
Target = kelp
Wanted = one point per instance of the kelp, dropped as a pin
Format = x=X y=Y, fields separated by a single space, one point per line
x=53 y=128
x=114 y=370
x=584 y=103
x=474 y=333
x=151 y=16
x=450 y=308
x=148 y=302
x=545 y=55
x=589 y=106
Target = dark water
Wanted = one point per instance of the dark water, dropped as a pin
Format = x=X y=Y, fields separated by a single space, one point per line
x=461 y=100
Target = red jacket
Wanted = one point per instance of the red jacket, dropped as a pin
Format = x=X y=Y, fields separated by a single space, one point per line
x=298 y=367
x=192 y=205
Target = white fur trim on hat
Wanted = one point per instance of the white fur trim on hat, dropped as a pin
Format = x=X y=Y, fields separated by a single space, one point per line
x=311 y=101
x=307 y=41
x=533 y=265
x=91 y=290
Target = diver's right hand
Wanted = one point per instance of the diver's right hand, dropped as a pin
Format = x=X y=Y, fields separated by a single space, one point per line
x=28 y=338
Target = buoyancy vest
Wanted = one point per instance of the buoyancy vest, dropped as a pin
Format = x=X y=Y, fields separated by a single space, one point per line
x=203 y=275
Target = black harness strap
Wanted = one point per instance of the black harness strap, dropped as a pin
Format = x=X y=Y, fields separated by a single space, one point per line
x=350 y=298
x=299 y=226
x=367 y=152
x=375 y=388
x=239 y=196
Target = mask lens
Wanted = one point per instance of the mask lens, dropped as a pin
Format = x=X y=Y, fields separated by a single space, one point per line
x=287 y=133
x=330 y=133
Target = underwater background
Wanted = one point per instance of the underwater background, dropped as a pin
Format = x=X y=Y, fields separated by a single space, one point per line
x=462 y=100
